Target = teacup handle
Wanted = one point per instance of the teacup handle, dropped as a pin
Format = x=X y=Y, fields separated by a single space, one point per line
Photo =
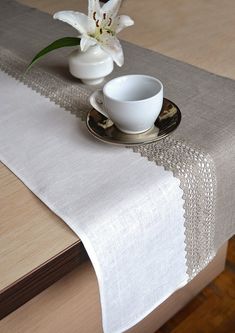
x=97 y=101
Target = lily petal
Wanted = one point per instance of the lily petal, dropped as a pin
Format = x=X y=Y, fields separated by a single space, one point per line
x=122 y=22
x=112 y=46
x=78 y=20
x=94 y=9
x=86 y=42
x=111 y=7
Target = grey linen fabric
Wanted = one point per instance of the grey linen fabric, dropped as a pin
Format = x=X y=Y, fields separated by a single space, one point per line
x=205 y=136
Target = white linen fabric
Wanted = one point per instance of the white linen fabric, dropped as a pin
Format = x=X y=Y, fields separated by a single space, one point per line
x=127 y=211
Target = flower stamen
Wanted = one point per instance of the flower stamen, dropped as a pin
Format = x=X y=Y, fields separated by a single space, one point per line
x=94 y=16
x=104 y=16
x=110 y=22
x=97 y=23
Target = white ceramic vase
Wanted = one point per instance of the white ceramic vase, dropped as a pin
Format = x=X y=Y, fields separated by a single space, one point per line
x=91 y=66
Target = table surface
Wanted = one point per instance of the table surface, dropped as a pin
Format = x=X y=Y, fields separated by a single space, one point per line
x=198 y=32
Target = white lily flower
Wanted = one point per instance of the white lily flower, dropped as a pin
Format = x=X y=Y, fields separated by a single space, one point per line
x=99 y=27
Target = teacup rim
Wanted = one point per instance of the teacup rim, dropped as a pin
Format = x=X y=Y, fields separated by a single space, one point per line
x=133 y=75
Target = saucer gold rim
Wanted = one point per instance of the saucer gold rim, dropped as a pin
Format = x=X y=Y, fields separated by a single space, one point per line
x=104 y=130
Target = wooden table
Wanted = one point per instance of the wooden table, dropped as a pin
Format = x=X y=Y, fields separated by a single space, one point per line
x=36 y=247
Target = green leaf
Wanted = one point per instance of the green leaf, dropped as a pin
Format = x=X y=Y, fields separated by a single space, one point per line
x=57 y=44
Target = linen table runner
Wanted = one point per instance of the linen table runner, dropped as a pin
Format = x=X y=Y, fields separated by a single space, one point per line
x=201 y=96
x=206 y=101
x=127 y=212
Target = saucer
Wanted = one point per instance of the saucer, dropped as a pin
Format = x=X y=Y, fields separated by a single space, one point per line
x=105 y=130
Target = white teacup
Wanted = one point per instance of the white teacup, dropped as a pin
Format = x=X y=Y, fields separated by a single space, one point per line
x=132 y=102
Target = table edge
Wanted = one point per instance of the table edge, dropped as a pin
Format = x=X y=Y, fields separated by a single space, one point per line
x=37 y=280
